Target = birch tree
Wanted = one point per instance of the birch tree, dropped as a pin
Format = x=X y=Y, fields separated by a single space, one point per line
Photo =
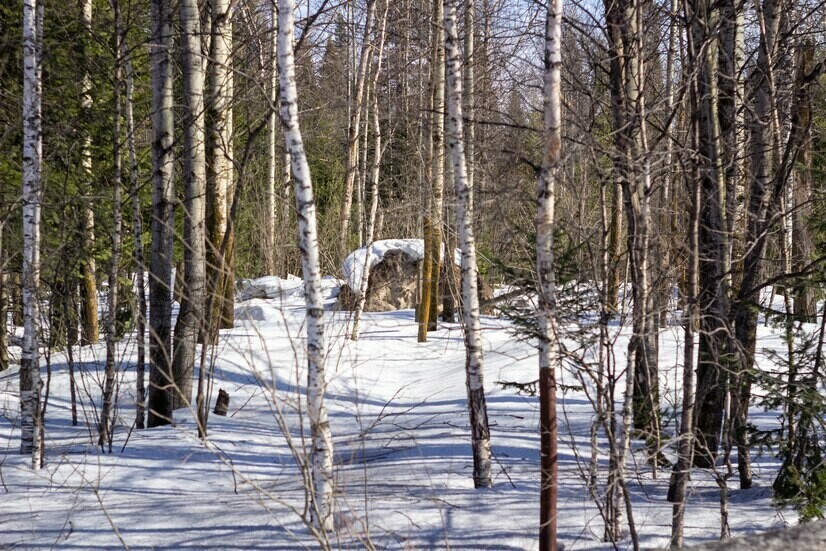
x=354 y=133
x=137 y=232
x=191 y=315
x=545 y=223
x=89 y=297
x=31 y=427
x=110 y=369
x=220 y=169
x=435 y=176
x=480 y=432
x=163 y=201
x=321 y=453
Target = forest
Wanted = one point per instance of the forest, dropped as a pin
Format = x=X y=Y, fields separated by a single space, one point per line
x=411 y=274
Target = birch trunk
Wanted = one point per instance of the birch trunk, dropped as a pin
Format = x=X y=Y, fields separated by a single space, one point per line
x=433 y=217
x=220 y=169
x=110 y=370
x=321 y=455
x=353 y=138
x=552 y=97
x=89 y=299
x=31 y=427
x=163 y=201
x=480 y=433
x=137 y=231
x=191 y=315
x=272 y=148
x=374 y=183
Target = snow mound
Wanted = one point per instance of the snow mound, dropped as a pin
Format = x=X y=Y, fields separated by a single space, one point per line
x=272 y=287
x=356 y=261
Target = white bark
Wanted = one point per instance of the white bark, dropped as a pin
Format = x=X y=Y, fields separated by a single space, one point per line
x=30 y=381
x=89 y=303
x=220 y=170
x=272 y=146
x=545 y=204
x=163 y=200
x=137 y=231
x=353 y=139
x=191 y=315
x=374 y=183
x=480 y=439
x=322 y=443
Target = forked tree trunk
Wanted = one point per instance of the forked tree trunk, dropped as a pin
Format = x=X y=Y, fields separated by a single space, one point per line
x=105 y=428
x=480 y=432
x=31 y=427
x=545 y=202
x=191 y=315
x=163 y=201
x=321 y=454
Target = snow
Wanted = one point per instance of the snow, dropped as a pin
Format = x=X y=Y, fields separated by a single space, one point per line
x=402 y=443
x=356 y=261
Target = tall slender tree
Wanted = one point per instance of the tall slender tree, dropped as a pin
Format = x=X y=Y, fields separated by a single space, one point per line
x=545 y=223
x=220 y=166
x=191 y=316
x=480 y=432
x=31 y=428
x=88 y=289
x=163 y=201
x=321 y=453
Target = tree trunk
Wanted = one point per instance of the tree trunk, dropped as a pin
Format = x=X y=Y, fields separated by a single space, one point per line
x=191 y=315
x=712 y=373
x=105 y=429
x=220 y=169
x=89 y=299
x=163 y=200
x=374 y=182
x=31 y=426
x=480 y=432
x=321 y=455
x=271 y=216
x=428 y=309
x=137 y=231
x=353 y=138
x=805 y=303
x=545 y=224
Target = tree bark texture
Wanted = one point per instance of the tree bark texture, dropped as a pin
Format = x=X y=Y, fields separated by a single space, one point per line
x=163 y=201
x=31 y=426
x=191 y=316
x=480 y=432
x=545 y=223
x=321 y=453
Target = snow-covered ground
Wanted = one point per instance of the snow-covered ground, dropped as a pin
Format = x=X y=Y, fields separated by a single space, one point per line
x=402 y=444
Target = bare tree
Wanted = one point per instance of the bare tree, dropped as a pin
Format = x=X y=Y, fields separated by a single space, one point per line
x=545 y=223
x=191 y=316
x=89 y=295
x=321 y=455
x=107 y=411
x=31 y=429
x=480 y=432
x=163 y=201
